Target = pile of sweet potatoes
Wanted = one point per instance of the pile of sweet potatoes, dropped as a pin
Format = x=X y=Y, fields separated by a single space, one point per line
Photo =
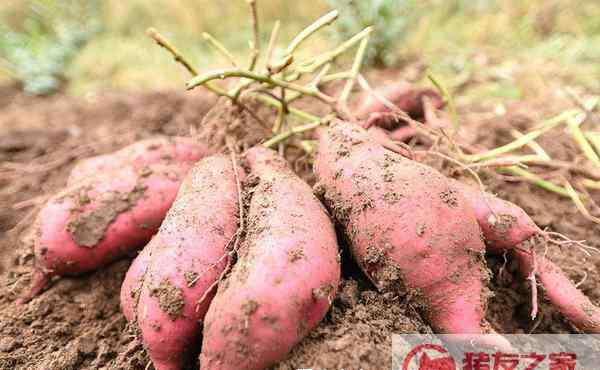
x=241 y=259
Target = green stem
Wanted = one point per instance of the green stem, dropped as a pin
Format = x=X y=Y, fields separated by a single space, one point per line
x=272 y=41
x=228 y=73
x=325 y=20
x=293 y=131
x=594 y=138
x=536 y=180
x=446 y=94
x=533 y=145
x=526 y=138
x=161 y=41
x=219 y=48
x=580 y=139
x=312 y=66
x=255 y=45
x=358 y=60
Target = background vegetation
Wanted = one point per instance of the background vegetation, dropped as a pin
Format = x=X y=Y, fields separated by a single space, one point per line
x=511 y=48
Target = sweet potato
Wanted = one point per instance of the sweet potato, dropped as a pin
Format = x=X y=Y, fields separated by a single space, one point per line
x=285 y=278
x=561 y=292
x=506 y=227
x=132 y=284
x=408 y=228
x=403 y=95
x=165 y=150
x=100 y=220
x=168 y=288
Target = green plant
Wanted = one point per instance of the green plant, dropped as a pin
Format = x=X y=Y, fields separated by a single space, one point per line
x=38 y=51
x=392 y=20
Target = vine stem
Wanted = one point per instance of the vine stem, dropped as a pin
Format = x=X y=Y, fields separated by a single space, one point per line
x=446 y=94
x=255 y=45
x=574 y=126
x=320 y=61
x=538 y=181
x=229 y=73
x=293 y=131
x=325 y=20
x=358 y=60
x=220 y=48
x=164 y=43
x=533 y=145
x=525 y=139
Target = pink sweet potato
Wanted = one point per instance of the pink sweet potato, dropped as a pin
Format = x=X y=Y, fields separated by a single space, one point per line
x=506 y=227
x=133 y=283
x=403 y=95
x=165 y=150
x=408 y=228
x=167 y=289
x=100 y=220
x=561 y=292
x=286 y=276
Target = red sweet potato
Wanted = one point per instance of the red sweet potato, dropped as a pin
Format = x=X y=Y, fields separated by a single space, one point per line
x=408 y=228
x=403 y=95
x=132 y=284
x=102 y=219
x=285 y=278
x=167 y=290
x=506 y=227
x=561 y=292
x=165 y=150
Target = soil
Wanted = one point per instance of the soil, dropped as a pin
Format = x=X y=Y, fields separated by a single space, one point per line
x=77 y=323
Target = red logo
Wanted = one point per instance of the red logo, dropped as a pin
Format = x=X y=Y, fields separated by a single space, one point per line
x=426 y=360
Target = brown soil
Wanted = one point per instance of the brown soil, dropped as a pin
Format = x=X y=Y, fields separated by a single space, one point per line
x=77 y=323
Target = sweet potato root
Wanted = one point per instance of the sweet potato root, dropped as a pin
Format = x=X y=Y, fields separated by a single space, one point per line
x=285 y=278
x=168 y=287
x=408 y=228
x=165 y=150
x=100 y=220
x=506 y=227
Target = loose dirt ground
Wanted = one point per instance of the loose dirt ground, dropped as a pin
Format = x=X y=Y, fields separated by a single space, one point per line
x=77 y=323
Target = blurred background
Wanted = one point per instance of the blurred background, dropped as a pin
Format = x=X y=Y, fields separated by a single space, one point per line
x=493 y=49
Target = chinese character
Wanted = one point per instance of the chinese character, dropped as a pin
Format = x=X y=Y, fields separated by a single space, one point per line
x=563 y=361
x=505 y=361
x=536 y=360
x=476 y=361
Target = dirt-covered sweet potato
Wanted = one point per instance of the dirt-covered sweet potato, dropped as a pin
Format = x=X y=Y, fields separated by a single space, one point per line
x=167 y=290
x=506 y=227
x=408 y=228
x=101 y=220
x=165 y=150
x=285 y=278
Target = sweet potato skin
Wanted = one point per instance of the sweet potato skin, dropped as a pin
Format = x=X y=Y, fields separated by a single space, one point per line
x=504 y=224
x=132 y=284
x=505 y=227
x=165 y=150
x=561 y=292
x=406 y=225
x=97 y=221
x=182 y=262
x=402 y=94
x=285 y=278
